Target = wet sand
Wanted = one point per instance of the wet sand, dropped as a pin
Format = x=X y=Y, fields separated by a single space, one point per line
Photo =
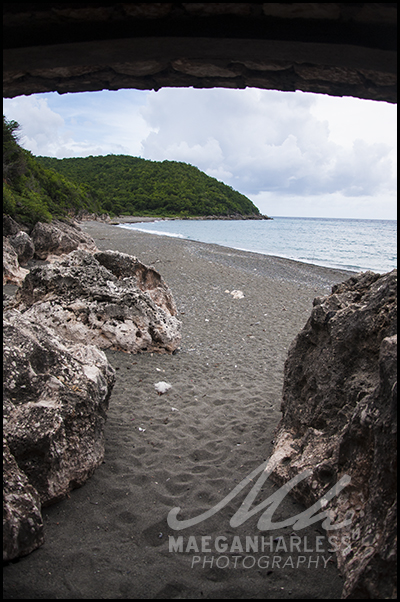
x=190 y=447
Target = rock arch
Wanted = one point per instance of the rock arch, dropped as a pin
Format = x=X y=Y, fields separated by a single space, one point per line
x=341 y=49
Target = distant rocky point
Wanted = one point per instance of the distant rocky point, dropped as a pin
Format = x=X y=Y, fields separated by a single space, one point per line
x=134 y=219
x=235 y=216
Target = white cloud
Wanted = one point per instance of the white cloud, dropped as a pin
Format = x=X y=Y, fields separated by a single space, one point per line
x=209 y=153
x=264 y=141
x=333 y=205
x=40 y=126
x=350 y=119
x=78 y=125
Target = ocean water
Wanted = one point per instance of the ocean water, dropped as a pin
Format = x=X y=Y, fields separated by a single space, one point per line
x=349 y=244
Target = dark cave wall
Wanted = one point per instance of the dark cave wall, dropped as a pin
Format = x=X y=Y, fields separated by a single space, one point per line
x=344 y=49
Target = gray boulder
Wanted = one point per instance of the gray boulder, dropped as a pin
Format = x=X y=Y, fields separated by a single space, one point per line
x=124 y=306
x=55 y=401
x=54 y=409
x=10 y=226
x=59 y=238
x=339 y=418
x=23 y=245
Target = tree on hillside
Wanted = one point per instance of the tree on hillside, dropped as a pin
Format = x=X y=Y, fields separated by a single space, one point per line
x=14 y=163
x=138 y=186
x=33 y=192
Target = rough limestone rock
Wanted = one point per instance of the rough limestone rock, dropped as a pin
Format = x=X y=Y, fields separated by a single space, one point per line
x=23 y=246
x=339 y=418
x=108 y=300
x=59 y=238
x=10 y=226
x=54 y=405
x=22 y=518
x=55 y=401
x=147 y=279
x=12 y=271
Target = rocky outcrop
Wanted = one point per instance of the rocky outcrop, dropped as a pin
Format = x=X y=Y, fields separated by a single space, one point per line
x=109 y=300
x=56 y=389
x=54 y=404
x=339 y=418
x=84 y=216
x=59 y=238
x=46 y=242
x=13 y=273
x=147 y=279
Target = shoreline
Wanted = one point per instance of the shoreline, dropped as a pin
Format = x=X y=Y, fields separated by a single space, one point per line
x=268 y=240
x=133 y=219
x=191 y=446
x=346 y=273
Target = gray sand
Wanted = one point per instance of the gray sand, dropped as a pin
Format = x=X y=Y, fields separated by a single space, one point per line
x=191 y=446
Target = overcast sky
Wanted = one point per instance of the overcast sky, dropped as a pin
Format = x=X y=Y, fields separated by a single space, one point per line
x=291 y=153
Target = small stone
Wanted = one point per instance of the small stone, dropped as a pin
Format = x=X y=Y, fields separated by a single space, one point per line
x=162 y=387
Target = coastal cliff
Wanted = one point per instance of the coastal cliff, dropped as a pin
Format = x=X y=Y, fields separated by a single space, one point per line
x=339 y=421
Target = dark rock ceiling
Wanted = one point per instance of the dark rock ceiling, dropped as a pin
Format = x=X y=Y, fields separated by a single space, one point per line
x=341 y=49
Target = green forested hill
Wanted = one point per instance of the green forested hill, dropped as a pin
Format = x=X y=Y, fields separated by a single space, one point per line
x=32 y=192
x=136 y=186
x=39 y=188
